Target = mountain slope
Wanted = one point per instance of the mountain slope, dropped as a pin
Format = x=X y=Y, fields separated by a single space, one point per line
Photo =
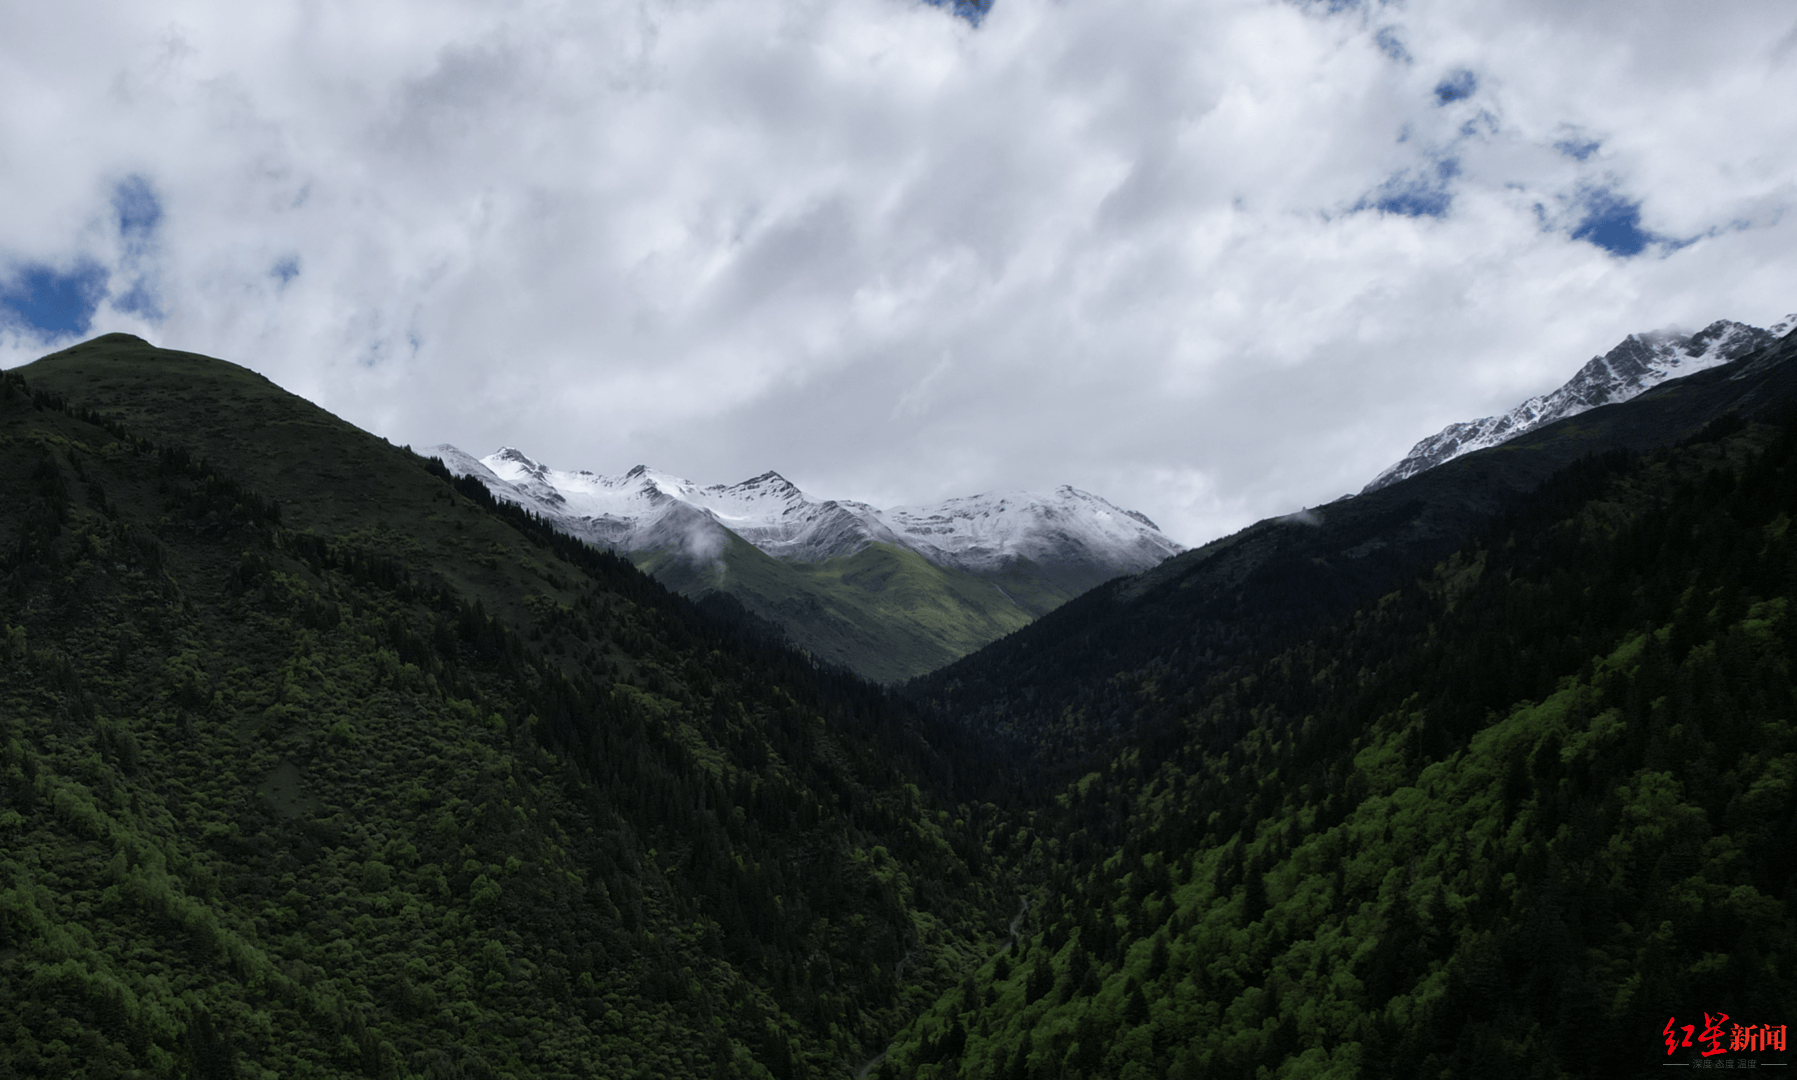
x=994 y=561
x=1505 y=820
x=1486 y=773
x=315 y=761
x=883 y=612
x=1049 y=686
x=1640 y=362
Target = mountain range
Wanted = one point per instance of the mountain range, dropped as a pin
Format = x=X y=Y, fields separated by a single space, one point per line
x=894 y=594
x=888 y=593
x=320 y=760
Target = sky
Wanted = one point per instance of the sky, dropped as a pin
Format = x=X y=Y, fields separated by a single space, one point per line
x=1212 y=260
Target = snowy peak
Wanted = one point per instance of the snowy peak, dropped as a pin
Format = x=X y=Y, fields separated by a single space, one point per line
x=1639 y=363
x=515 y=461
x=983 y=533
x=646 y=510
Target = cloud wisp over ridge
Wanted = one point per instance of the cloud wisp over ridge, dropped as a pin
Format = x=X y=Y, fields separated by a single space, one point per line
x=1214 y=260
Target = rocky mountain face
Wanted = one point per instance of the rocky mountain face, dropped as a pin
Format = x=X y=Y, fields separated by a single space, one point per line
x=1639 y=363
x=978 y=567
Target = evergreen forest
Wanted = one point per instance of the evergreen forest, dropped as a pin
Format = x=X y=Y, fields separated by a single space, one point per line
x=316 y=761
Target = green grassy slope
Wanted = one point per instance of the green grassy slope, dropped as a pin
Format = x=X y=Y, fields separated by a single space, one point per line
x=1038 y=590
x=314 y=764
x=1503 y=821
x=885 y=613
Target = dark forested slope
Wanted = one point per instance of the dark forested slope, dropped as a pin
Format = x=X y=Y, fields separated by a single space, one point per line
x=314 y=762
x=1053 y=686
x=1504 y=820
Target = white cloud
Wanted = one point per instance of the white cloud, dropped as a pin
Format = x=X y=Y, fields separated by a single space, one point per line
x=899 y=258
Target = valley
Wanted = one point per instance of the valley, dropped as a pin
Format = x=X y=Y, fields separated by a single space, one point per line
x=323 y=757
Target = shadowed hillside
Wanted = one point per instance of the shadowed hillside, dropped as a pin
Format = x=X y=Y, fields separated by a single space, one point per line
x=1501 y=810
x=316 y=760
x=317 y=763
x=1051 y=686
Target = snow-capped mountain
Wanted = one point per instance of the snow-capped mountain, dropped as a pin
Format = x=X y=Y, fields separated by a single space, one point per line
x=1639 y=363
x=981 y=533
x=645 y=510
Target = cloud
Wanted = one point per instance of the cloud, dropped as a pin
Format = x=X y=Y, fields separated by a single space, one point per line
x=1213 y=261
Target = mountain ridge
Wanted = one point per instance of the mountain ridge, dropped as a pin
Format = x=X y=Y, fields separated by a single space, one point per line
x=833 y=573
x=782 y=520
x=1637 y=364
x=1280 y=576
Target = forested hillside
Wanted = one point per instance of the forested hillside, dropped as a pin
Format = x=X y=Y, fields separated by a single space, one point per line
x=1503 y=821
x=314 y=762
x=317 y=761
x=1052 y=688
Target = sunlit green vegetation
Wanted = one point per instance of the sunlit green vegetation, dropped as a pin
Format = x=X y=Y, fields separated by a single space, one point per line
x=885 y=612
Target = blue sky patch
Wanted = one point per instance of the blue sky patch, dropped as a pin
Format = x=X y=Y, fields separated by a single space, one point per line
x=139 y=214
x=1414 y=200
x=285 y=269
x=1456 y=86
x=1613 y=223
x=1391 y=43
x=1578 y=149
x=139 y=211
x=140 y=299
x=52 y=303
x=971 y=10
x=1422 y=193
x=1332 y=7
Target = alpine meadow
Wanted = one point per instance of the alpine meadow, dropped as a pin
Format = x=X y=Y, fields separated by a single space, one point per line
x=318 y=759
